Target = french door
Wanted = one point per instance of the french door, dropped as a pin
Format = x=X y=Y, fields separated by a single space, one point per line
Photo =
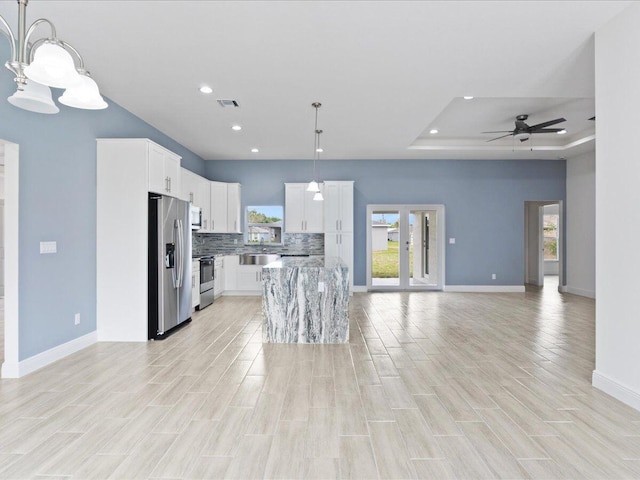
x=405 y=247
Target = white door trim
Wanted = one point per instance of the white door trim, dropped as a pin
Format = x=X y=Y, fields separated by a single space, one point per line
x=440 y=209
x=11 y=263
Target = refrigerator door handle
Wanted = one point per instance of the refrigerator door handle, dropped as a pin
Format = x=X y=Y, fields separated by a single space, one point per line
x=174 y=273
x=180 y=253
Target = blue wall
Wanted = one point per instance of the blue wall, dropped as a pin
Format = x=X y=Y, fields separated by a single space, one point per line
x=484 y=203
x=58 y=202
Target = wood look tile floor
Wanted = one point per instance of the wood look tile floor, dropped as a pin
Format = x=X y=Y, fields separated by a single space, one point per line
x=431 y=385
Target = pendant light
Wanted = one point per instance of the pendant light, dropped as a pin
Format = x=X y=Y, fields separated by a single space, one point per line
x=47 y=62
x=313 y=184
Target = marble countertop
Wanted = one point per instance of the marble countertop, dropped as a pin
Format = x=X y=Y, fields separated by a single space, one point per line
x=307 y=262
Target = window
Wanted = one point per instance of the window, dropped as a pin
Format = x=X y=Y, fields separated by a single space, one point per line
x=550 y=222
x=264 y=225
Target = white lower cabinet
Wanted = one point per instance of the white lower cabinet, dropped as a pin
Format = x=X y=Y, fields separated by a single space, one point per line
x=249 y=278
x=241 y=279
x=195 y=284
x=218 y=281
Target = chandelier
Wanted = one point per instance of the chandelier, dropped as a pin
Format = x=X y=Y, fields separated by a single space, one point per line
x=313 y=184
x=47 y=62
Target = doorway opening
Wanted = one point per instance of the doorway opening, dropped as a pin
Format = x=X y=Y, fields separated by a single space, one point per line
x=405 y=247
x=543 y=243
x=9 y=259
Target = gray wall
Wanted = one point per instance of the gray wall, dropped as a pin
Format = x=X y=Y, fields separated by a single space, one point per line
x=484 y=202
x=58 y=202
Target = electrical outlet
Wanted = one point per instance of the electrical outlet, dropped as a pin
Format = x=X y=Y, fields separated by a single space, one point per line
x=320 y=286
x=452 y=241
x=493 y=276
x=235 y=241
x=77 y=319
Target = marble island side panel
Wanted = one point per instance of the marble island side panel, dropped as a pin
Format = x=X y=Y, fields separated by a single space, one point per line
x=305 y=300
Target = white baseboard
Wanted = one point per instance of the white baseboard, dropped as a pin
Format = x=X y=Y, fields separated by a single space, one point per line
x=31 y=364
x=616 y=390
x=580 y=291
x=484 y=288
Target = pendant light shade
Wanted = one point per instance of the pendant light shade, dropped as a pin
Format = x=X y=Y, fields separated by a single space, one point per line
x=85 y=95
x=313 y=186
x=53 y=66
x=34 y=97
x=318 y=197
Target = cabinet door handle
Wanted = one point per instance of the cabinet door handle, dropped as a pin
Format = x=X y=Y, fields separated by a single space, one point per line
x=337 y=225
x=302 y=225
x=191 y=197
x=340 y=225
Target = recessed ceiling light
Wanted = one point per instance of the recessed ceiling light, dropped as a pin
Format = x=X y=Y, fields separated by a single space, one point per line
x=206 y=89
x=468 y=97
x=254 y=150
x=237 y=128
x=433 y=130
x=561 y=132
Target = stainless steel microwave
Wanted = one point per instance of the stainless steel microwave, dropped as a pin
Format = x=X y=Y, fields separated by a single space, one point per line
x=196 y=218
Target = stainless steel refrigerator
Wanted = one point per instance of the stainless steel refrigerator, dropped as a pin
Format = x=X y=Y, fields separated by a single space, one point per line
x=169 y=265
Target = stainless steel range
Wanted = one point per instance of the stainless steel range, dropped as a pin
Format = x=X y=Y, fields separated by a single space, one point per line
x=207 y=276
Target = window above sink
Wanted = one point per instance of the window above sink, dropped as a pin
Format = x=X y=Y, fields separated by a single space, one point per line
x=263 y=225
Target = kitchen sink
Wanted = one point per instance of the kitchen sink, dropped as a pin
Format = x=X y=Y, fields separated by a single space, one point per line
x=258 y=258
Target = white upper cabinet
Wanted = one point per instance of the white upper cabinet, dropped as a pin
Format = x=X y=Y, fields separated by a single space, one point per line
x=338 y=206
x=234 y=208
x=218 y=207
x=164 y=171
x=302 y=214
x=188 y=186
x=203 y=195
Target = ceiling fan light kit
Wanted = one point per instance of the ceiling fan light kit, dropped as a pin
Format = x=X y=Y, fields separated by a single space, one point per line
x=47 y=62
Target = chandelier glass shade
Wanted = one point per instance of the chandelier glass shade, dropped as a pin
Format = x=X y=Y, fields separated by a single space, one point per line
x=84 y=95
x=34 y=97
x=52 y=66
x=47 y=62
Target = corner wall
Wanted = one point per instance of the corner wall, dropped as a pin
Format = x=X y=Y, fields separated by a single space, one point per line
x=618 y=207
x=57 y=202
x=581 y=225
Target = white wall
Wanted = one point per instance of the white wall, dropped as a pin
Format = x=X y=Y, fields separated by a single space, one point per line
x=618 y=207
x=581 y=225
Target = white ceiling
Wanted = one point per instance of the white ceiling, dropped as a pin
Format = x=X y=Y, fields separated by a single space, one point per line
x=385 y=72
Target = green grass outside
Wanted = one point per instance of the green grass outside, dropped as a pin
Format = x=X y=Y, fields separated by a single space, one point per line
x=385 y=262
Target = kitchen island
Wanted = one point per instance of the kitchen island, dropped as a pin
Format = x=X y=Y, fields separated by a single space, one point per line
x=305 y=300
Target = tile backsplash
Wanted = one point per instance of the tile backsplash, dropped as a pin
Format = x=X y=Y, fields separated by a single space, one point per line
x=233 y=243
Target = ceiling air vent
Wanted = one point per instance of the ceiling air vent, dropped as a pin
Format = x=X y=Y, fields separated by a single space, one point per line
x=228 y=103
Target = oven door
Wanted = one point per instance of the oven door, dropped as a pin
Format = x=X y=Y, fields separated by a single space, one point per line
x=206 y=271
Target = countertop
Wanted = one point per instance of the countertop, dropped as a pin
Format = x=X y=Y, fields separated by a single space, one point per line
x=307 y=262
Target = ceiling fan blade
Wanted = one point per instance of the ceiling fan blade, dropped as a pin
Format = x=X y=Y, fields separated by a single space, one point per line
x=547 y=124
x=498 y=138
x=500 y=131
x=524 y=139
x=548 y=130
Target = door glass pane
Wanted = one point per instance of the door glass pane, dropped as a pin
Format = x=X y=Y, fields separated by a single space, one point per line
x=423 y=258
x=385 y=259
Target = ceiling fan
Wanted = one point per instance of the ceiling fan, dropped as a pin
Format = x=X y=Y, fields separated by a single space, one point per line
x=523 y=129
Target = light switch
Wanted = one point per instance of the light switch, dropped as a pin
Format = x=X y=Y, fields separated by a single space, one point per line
x=452 y=240
x=48 y=247
x=320 y=286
